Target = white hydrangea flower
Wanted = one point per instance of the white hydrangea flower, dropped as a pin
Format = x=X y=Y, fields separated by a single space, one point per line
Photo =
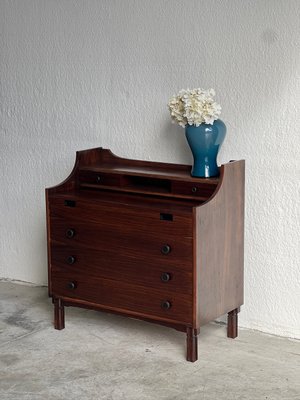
x=194 y=107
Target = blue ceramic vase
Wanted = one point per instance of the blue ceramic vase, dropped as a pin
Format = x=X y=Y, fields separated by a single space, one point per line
x=205 y=141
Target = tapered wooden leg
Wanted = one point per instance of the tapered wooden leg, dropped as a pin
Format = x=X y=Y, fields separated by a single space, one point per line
x=59 y=314
x=232 y=323
x=192 y=344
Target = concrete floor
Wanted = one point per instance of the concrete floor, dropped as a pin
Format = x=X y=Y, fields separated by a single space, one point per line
x=102 y=356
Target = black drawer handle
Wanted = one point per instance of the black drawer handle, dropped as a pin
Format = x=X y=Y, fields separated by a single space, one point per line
x=165 y=277
x=70 y=233
x=71 y=260
x=71 y=285
x=166 y=305
x=194 y=189
x=166 y=249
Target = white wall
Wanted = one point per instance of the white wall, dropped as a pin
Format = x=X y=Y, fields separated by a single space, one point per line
x=81 y=74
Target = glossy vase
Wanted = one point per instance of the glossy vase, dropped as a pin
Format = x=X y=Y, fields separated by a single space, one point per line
x=205 y=141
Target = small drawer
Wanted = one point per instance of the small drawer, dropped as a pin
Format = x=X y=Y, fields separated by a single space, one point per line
x=201 y=190
x=98 y=178
x=125 y=297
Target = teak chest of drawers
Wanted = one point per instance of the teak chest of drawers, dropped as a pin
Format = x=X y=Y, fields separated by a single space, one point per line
x=146 y=240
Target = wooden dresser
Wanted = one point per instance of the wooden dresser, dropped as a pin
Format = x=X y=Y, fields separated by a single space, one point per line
x=146 y=240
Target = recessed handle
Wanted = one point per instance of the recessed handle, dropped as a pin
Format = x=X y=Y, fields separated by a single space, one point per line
x=71 y=260
x=165 y=277
x=166 y=305
x=70 y=233
x=166 y=217
x=70 y=203
x=166 y=249
x=71 y=285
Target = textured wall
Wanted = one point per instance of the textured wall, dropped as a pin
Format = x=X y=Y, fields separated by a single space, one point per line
x=80 y=74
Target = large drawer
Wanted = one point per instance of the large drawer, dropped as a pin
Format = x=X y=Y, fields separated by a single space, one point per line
x=148 y=216
x=127 y=265
x=123 y=297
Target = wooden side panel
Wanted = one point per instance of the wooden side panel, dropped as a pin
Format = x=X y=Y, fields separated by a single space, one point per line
x=220 y=246
x=48 y=244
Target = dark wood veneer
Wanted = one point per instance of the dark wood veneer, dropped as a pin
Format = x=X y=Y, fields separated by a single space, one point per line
x=147 y=240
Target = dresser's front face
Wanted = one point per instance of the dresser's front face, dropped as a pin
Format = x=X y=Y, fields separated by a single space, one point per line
x=135 y=259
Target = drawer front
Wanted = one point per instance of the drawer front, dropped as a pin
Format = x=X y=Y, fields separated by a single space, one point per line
x=127 y=265
x=195 y=189
x=123 y=216
x=134 y=243
x=123 y=297
x=99 y=178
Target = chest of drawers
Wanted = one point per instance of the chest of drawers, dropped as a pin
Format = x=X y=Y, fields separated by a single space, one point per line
x=146 y=240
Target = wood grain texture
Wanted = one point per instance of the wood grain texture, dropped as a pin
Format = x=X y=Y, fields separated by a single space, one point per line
x=220 y=246
x=122 y=295
x=107 y=263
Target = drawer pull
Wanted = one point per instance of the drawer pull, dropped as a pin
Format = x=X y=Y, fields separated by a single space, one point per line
x=99 y=179
x=71 y=260
x=165 y=277
x=71 y=285
x=70 y=233
x=166 y=305
x=166 y=249
x=194 y=189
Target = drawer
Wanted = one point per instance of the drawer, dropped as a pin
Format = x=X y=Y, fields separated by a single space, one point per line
x=196 y=189
x=135 y=243
x=124 y=297
x=123 y=216
x=98 y=178
x=126 y=266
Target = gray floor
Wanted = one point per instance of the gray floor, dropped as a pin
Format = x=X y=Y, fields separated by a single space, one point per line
x=101 y=356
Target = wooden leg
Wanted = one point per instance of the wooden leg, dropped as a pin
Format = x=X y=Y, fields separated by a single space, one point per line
x=59 y=314
x=192 y=344
x=232 y=323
